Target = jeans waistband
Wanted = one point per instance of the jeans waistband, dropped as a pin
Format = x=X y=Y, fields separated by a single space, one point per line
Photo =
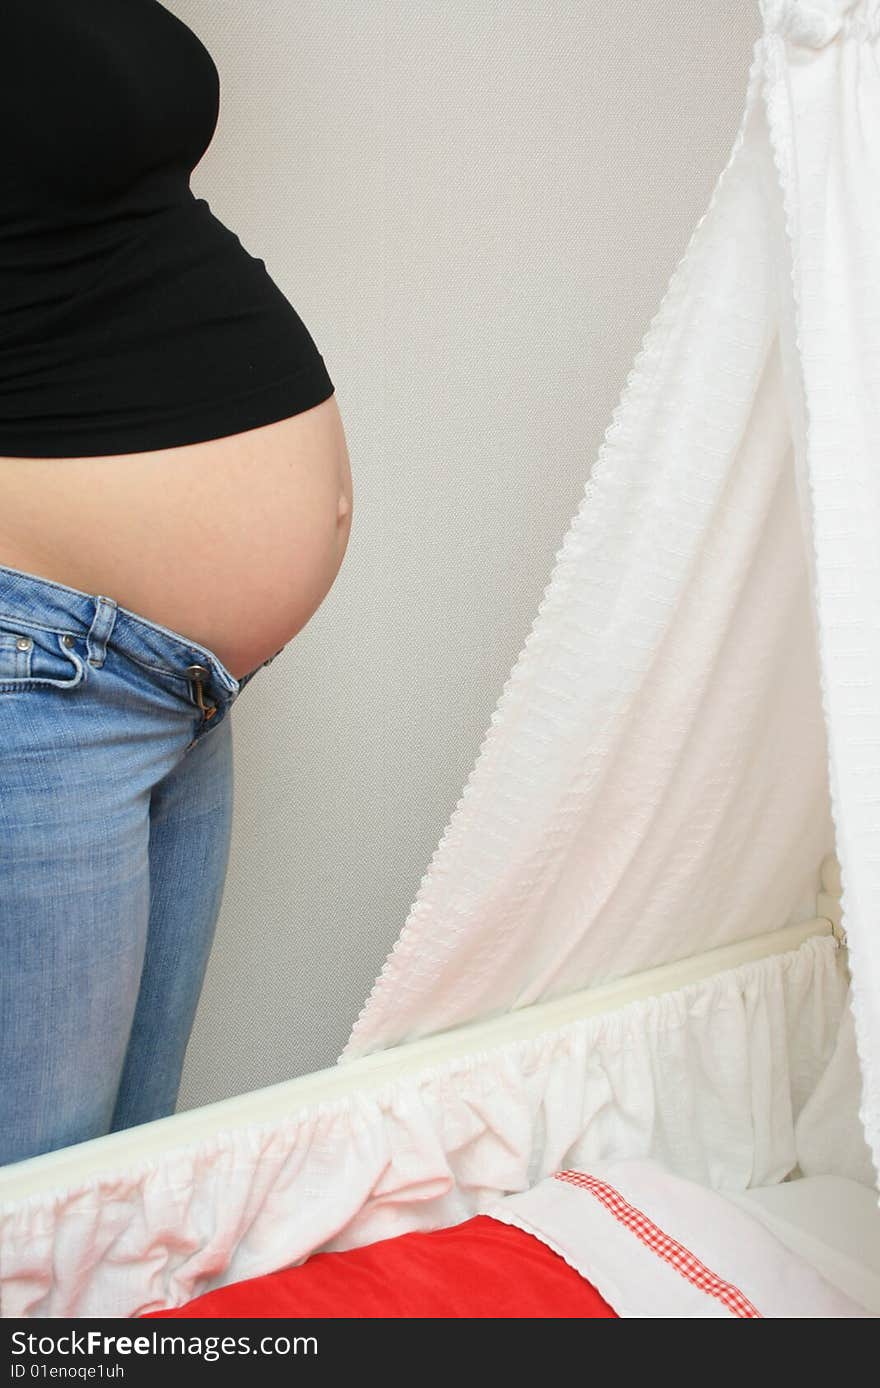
x=104 y=622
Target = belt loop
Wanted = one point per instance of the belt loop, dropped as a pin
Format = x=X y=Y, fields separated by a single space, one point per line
x=99 y=632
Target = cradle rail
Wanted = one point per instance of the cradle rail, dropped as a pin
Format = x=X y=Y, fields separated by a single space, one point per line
x=113 y=1152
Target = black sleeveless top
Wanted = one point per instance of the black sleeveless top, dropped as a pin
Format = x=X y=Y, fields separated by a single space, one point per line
x=131 y=318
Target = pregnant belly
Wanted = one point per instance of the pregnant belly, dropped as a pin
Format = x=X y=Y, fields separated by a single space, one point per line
x=232 y=543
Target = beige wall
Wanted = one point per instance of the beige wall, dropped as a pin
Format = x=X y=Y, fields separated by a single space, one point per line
x=475 y=206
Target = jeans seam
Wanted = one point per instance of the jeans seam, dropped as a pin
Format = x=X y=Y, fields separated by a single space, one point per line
x=19 y=619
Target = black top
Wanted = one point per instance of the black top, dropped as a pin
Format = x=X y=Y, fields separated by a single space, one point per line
x=131 y=318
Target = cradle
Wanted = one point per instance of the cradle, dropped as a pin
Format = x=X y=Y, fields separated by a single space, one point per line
x=618 y=949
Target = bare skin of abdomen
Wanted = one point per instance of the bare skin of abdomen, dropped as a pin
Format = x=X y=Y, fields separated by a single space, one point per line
x=232 y=543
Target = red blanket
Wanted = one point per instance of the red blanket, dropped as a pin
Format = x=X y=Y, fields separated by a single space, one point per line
x=481 y=1268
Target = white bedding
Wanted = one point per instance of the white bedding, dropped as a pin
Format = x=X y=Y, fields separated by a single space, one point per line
x=833 y=1223
x=657 y=1246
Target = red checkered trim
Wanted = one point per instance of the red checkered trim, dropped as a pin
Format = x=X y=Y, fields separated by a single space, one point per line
x=672 y=1252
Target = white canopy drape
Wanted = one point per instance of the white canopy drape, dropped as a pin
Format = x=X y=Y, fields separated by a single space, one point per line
x=655 y=778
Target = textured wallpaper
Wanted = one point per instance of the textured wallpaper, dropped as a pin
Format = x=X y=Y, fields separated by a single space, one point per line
x=475 y=206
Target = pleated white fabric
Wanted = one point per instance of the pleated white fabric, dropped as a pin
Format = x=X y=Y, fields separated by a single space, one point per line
x=706 y=658
x=709 y=1081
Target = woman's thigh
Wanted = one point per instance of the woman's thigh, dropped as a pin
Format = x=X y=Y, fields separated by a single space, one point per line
x=190 y=830
x=115 y=799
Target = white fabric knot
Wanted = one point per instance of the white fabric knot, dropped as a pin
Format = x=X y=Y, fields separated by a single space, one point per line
x=813 y=23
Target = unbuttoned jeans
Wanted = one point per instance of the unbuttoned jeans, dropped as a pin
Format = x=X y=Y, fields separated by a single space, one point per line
x=116 y=783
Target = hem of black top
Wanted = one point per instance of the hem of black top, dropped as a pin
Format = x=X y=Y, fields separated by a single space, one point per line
x=216 y=419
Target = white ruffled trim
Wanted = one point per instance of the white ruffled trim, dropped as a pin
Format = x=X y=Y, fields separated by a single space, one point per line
x=708 y=1080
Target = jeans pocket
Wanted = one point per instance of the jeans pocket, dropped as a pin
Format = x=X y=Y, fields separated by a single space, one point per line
x=35 y=657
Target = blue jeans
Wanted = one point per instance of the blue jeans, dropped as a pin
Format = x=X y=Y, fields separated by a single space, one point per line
x=116 y=789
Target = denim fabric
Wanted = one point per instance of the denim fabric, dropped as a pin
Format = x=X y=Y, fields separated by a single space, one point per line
x=116 y=784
